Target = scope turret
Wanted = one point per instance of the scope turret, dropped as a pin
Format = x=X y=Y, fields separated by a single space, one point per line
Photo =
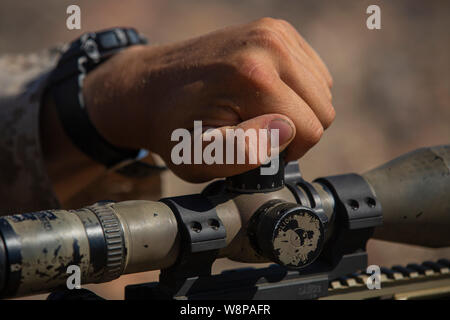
x=287 y=233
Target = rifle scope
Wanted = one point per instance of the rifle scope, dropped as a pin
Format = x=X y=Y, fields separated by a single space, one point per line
x=291 y=224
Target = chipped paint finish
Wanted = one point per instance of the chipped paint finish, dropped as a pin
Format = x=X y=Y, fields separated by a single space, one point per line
x=45 y=243
x=236 y=215
x=296 y=238
x=50 y=241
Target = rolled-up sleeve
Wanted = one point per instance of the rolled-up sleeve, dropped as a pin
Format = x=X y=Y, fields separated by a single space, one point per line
x=24 y=183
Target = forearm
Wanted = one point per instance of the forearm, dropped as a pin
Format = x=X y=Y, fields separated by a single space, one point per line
x=24 y=183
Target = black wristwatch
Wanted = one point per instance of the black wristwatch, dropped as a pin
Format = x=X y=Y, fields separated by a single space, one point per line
x=66 y=84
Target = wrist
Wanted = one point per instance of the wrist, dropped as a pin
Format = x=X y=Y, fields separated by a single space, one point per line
x=110 y=99
x=97 y=131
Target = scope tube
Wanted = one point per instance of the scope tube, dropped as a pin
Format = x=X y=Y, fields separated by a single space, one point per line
x=105 y=241
x=414 y=190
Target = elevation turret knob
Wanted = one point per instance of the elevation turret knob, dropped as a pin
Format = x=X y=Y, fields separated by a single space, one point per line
x=287 y=233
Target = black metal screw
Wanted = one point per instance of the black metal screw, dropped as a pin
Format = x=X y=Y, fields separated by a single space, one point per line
x=196 y=226
x=213 y=223
x=371 y=202
x=353 y=204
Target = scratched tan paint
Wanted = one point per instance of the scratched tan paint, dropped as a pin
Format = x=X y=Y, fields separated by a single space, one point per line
x=291 y=250
x=48 y=248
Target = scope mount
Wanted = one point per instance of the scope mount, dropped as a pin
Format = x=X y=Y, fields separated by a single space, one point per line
x=277 y=281
x=344 y=254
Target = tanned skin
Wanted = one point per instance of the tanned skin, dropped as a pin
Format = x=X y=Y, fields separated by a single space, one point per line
x=259 y=75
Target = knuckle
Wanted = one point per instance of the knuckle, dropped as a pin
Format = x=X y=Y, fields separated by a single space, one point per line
x=332 y=116
x=269 y=22
x=286 y=24
x=268 y=34
x=273 y=23
x=330 y=81
x=255 y=70
x=315 y=134
x=328 y=117
x=266 y=37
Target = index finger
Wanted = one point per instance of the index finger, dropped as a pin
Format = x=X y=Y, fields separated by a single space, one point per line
x=312 y=54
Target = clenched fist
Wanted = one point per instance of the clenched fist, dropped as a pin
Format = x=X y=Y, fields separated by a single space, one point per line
x=261 y=75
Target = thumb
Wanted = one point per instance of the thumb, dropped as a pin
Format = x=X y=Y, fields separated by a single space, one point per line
x=231 y=150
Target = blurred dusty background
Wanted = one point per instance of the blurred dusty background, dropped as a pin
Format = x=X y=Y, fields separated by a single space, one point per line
x=391 y=88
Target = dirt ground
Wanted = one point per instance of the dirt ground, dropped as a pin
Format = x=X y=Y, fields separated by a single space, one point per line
x=391 y=86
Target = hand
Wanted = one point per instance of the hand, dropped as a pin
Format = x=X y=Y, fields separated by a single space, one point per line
x=257 y=75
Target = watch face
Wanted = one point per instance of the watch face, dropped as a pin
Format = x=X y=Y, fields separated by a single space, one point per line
x=91 y=50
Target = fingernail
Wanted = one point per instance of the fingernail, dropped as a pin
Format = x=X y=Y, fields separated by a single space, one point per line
x=285 y=131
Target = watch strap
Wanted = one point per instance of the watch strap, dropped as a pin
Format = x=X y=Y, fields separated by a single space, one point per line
x=66 y=85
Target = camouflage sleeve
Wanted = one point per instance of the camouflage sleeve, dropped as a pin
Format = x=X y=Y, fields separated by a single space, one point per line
x=24 y=183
